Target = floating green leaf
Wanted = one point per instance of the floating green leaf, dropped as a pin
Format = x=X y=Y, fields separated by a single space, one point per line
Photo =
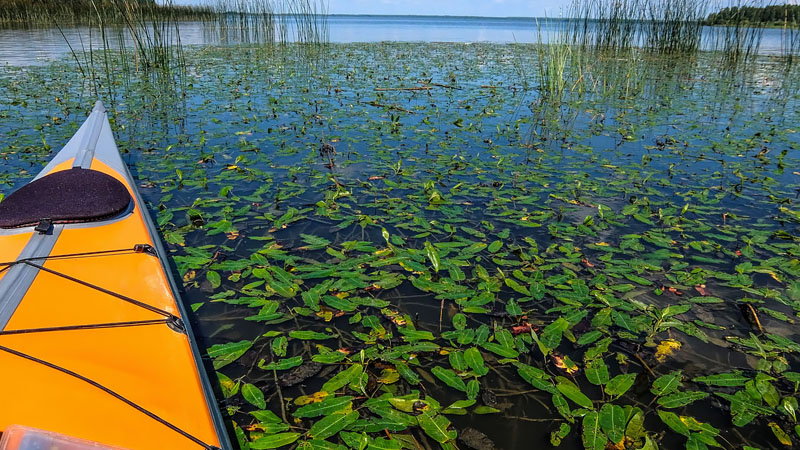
x=673 y=421
x=449 y=378
x=332 y=424
x=436 y=426
x=679 y=399
x=612 y=420
x=593 y=438
x=328 y=406
x=274 y=441
x=620 y=384
x=224 y=354
x=254 y=396
x=573 y=392
x=343 y=378
x=666 y=384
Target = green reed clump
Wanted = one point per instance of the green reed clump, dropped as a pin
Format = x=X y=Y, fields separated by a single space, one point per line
x=245 y=22
x=662 y=26
x=673 y=26
x=134 y=39
x=155 y=37
x=47 y=12
x=559 y=64
x=270 y=21
x=608 y=25
x=667 y=26
x=790 y=40
x=310 y=20
x=141 y=39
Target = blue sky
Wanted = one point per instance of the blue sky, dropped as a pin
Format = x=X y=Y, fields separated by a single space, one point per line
x=501 y=8
x=489 y=8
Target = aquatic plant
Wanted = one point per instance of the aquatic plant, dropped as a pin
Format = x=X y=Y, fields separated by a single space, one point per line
x=790 y=40
x=47 y=12
x=271 y=22
x=673 y=26
x=738 y=40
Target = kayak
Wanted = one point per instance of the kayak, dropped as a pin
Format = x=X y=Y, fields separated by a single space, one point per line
x=96 y=350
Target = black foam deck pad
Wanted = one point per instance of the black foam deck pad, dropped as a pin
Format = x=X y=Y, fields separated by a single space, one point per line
x=69 y=196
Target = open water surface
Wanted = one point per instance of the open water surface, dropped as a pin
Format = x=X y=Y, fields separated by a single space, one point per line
x=26 y=46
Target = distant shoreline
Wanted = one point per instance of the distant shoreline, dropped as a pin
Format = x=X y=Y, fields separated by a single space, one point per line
x=200 y=14
x=703 y=22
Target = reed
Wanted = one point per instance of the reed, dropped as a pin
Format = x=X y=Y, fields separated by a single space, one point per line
x=557 y=62
x=606 y=25
x=132 y=40
x=739 y=39
x=46 y=12
x=268 y=22
x=666 y=26
x=673 y=26
x=790 y=39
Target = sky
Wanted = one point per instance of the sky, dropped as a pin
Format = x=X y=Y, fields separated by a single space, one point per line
x=485 y=8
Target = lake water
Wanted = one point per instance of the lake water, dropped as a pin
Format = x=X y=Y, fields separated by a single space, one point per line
x=36 y=46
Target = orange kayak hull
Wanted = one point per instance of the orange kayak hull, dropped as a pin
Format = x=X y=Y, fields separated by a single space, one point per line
x=154 y=366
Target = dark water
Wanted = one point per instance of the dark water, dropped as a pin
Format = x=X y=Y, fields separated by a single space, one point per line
x=652 y=184
x=38 y=46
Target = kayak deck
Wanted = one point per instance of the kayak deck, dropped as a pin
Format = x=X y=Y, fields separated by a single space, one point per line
x=69 y=316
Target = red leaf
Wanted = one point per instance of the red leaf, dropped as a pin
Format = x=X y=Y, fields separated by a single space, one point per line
x=701 y=288
x=519 y=329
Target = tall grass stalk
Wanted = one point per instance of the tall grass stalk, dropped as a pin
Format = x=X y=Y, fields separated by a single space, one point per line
x=73 y=12
x=607 y=25
x=790 y=40
x=555 y=57
x=673 y=26
x=667 y=26
x=267 y=22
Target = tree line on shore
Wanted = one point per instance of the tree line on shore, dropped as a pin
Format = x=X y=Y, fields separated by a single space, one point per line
x=771 y=15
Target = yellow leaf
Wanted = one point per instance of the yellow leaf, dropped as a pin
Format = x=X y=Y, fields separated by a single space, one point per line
x=389 y=376
x=780 y=434
x=189 y=276
x=309 y=399
x=666 y=348
x=565 y=364
x=404 y=266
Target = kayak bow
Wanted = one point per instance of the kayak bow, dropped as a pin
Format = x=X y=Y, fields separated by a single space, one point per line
x=94 y=340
